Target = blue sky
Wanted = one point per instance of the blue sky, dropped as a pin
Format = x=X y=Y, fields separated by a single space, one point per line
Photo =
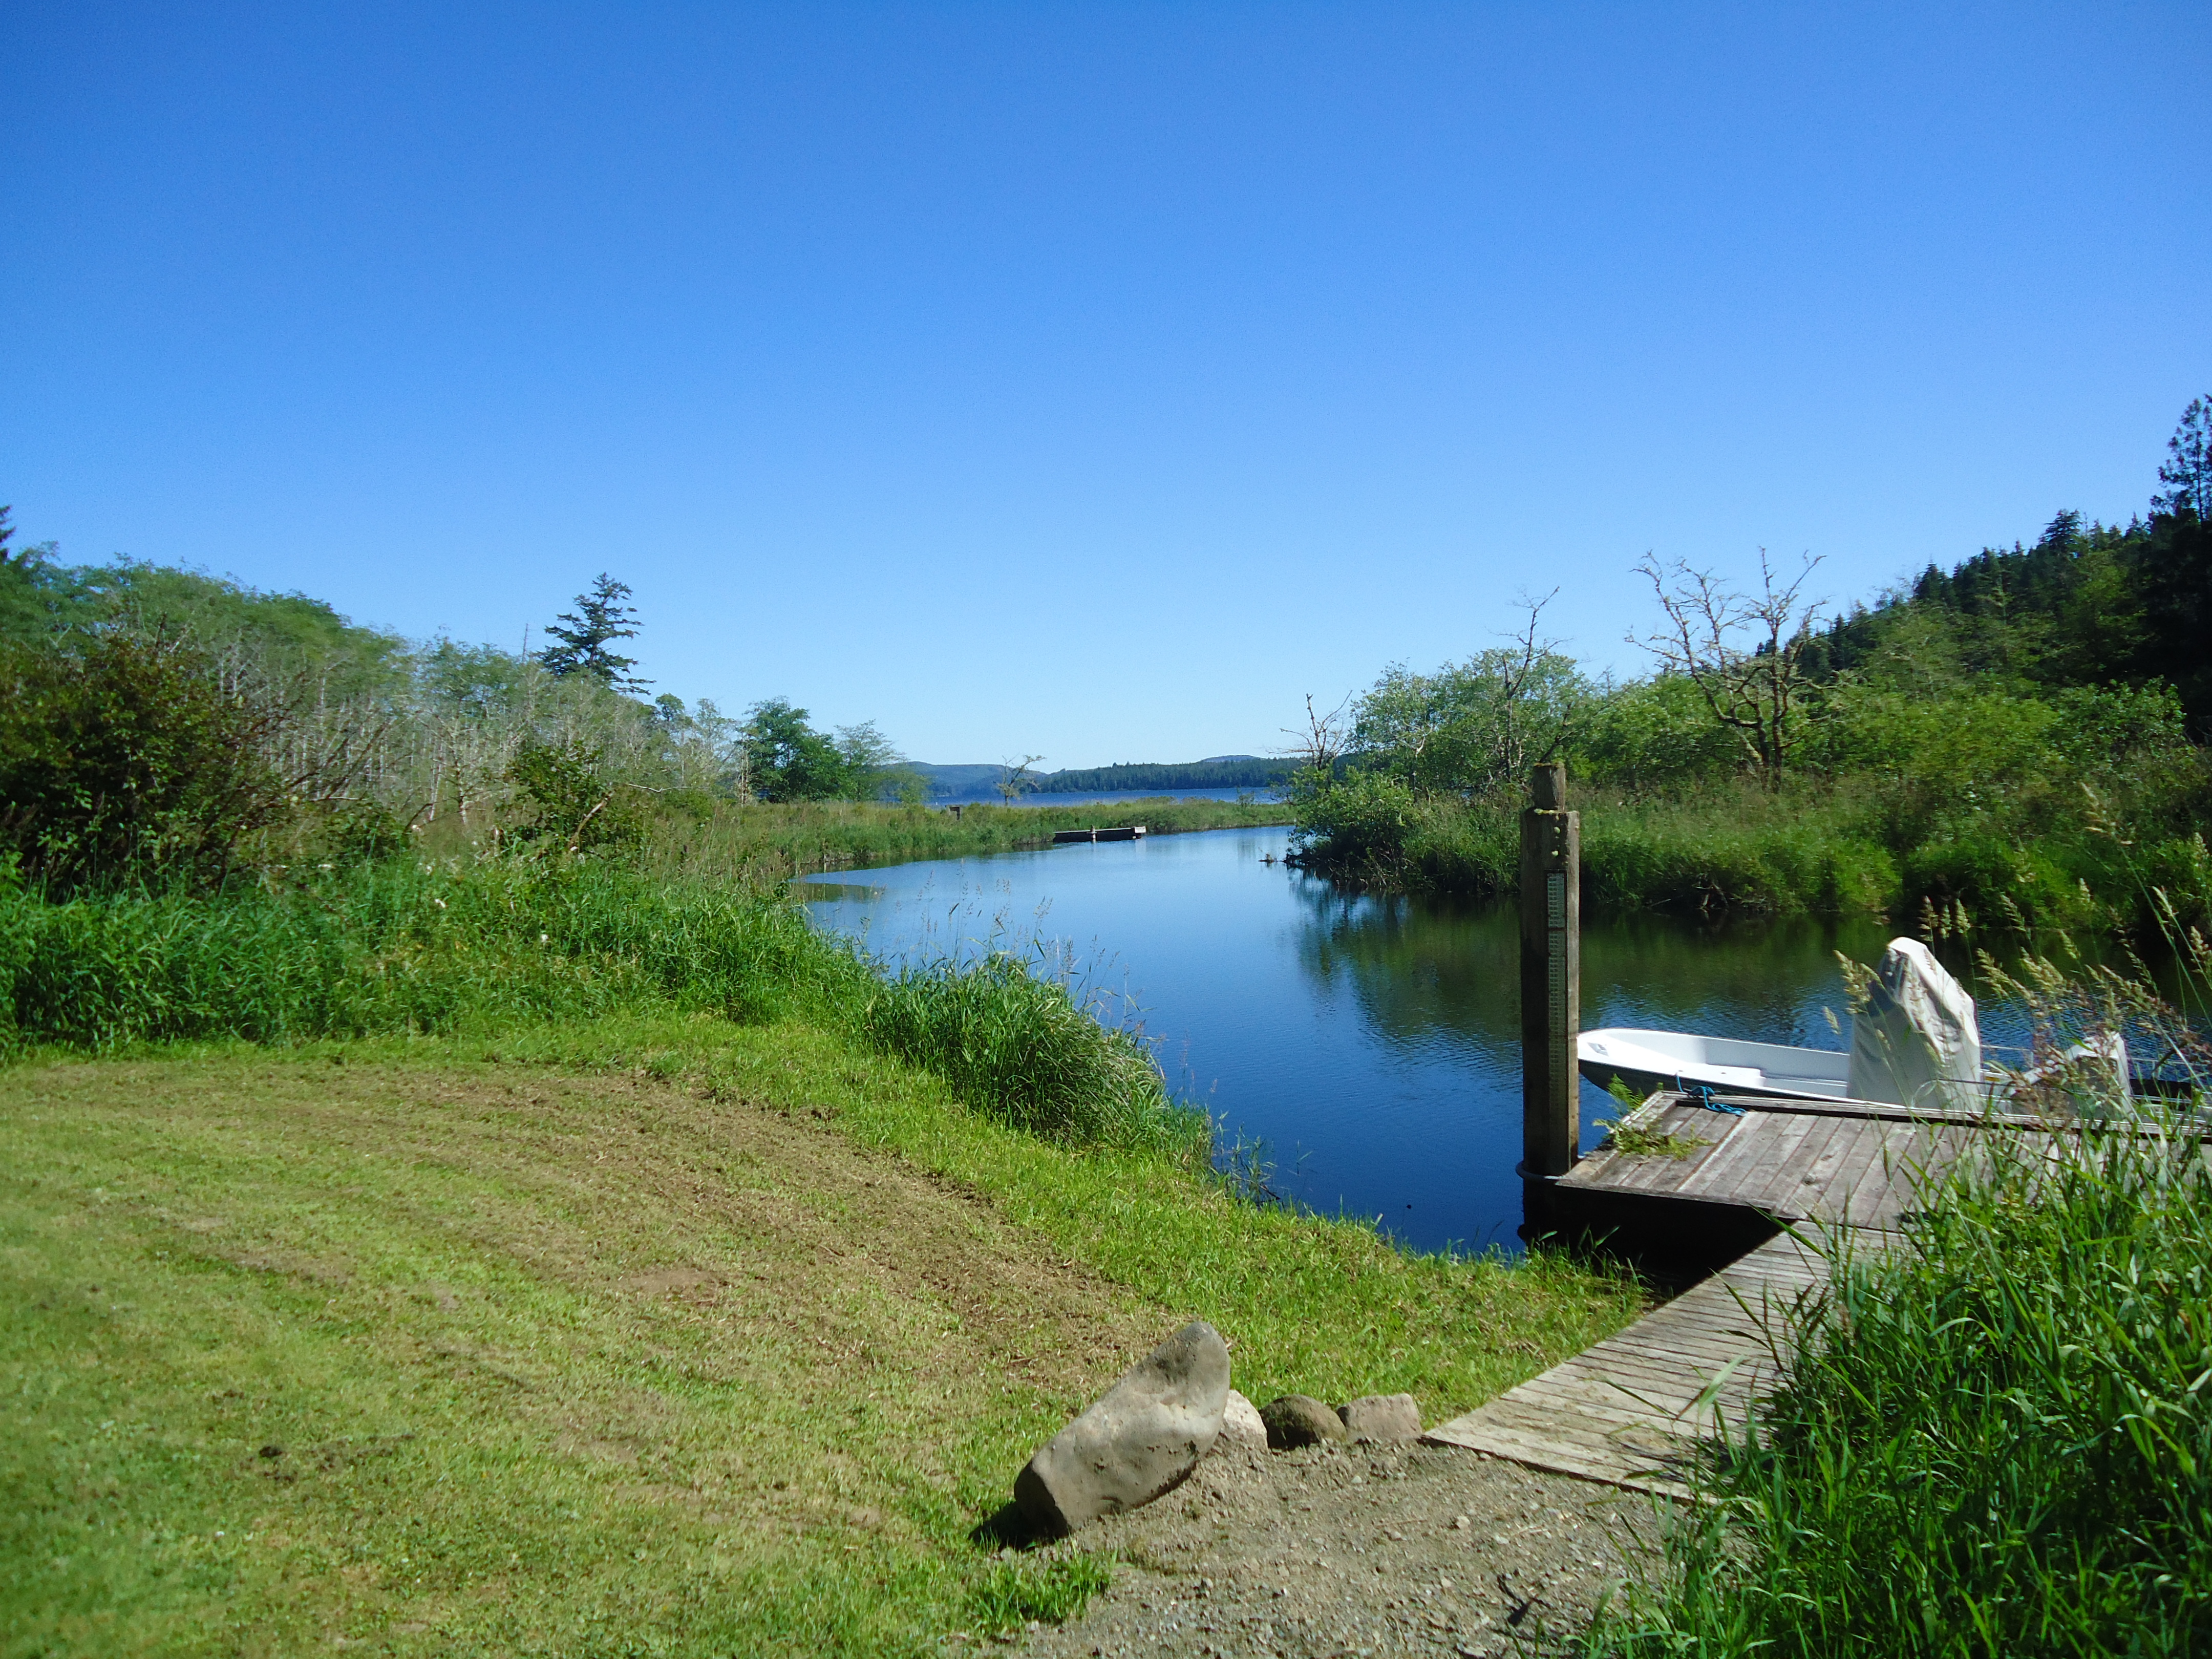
x=1093 y=380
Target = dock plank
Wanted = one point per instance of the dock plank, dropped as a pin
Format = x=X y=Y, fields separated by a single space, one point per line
x=1627 y=1410
x=1776 y=1146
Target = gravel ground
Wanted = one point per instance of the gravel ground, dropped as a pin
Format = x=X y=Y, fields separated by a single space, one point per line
x=1333 y=1551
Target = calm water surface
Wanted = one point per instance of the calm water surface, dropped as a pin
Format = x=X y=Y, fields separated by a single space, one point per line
x=1097 y=798
x=1373 y=1045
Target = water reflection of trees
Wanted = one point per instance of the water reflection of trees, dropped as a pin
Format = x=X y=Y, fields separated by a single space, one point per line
x=1420 y=969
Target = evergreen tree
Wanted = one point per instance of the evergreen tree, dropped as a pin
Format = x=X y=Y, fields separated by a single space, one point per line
x=2187 y=475
x=600 y=618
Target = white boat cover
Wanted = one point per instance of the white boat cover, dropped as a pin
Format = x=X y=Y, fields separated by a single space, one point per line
x=1916 y=1043
x=2095 y=1071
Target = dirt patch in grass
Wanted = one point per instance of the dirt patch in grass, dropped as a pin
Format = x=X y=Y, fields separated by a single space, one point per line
x=1331 y=1551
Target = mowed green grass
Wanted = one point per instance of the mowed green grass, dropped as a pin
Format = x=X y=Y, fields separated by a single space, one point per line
x=660 y=1336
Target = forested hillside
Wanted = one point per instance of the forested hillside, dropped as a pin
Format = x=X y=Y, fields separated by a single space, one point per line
x=2016 y=739
x=1225 y=772
x=347 y=736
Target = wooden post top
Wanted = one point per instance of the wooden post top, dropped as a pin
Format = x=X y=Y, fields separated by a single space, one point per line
x=1548 y=785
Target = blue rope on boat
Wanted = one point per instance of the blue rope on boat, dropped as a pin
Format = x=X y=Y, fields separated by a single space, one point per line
x=1701 y=1094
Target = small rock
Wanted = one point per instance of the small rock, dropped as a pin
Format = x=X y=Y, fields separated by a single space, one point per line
x=1140 y=1438
x=1381 y=1418
x=1241 y=1427
x=1300 y=1420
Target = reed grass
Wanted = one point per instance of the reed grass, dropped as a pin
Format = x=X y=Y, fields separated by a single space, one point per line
x=1041 y=1057
x=1818 y=849
x=1995 y=1440
x=762 y=845
x=483 y=944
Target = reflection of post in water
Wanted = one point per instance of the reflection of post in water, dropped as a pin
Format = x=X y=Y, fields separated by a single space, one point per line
x=1551 y=982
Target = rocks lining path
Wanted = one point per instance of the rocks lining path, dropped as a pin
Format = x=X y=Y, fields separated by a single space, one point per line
x=1355 y=1551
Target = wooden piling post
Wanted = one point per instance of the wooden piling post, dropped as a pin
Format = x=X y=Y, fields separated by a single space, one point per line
x=1551 y=975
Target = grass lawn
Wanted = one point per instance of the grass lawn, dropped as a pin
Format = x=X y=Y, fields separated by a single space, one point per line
x=662 y=1335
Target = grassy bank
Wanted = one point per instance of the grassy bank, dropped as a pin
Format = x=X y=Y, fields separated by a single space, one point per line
x=1733 y=848
x=432 y=947
x=644 y=1335
x=1996 y=1441
x=576 y=1261
x=762 y=844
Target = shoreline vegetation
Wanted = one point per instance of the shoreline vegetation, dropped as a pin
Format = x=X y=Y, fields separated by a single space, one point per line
x=1996 y=742
x=456 y=1200
x=761 y=845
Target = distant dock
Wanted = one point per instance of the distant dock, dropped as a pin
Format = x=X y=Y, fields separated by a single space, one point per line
x=1126 y=832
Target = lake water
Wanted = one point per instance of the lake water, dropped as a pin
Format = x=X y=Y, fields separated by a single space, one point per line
x=1372 y=1045
x=1099 y=798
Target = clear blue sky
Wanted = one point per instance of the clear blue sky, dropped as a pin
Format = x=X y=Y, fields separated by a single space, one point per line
x=1095 y=379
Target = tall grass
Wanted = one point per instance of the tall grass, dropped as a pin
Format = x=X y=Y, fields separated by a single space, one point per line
x=1995 y=1440
x=1818 y=849
x=996 y=1032
x=763 y=845
x=480 y=944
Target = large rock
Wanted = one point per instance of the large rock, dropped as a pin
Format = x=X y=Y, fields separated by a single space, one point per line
x=1241 y=1427
x=1300 y=1420
x=1381 y=1418
x=1139 y=1439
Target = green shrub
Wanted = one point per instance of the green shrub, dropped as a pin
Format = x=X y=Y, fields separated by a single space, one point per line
x=569 y=801
x=127 y=758
x=1364 y=822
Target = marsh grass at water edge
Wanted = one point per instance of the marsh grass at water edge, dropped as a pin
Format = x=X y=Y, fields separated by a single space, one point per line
x=441 y=947
x=1996 y=1439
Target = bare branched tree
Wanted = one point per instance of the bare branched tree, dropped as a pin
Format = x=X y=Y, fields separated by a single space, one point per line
x=1014 y=778
x=1523 y=669
x=1744 y=652
x=1320 y=743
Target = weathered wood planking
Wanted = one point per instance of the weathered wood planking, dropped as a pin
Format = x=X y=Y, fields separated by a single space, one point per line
x=1793 y=1165
x=1628 y=1410
x=1831 y=1163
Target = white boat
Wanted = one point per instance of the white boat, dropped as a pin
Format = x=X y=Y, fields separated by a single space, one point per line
x=1915 y=1041
x=1649 y=1060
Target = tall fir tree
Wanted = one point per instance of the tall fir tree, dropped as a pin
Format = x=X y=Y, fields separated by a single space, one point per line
x=2187 y=470
x=600 y=618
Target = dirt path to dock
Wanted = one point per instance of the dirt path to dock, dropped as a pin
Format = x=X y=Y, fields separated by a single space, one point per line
x=1365 y=1551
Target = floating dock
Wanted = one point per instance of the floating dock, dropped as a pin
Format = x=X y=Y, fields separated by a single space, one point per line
x=1126 y=832
x=1630 y=1409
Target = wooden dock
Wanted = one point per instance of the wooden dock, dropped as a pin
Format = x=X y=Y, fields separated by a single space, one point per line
x=1853 y=1164
x=1125 y=832
x=1629 y=1410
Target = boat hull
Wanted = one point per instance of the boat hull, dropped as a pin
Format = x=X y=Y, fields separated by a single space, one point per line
x=1649 y=1060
